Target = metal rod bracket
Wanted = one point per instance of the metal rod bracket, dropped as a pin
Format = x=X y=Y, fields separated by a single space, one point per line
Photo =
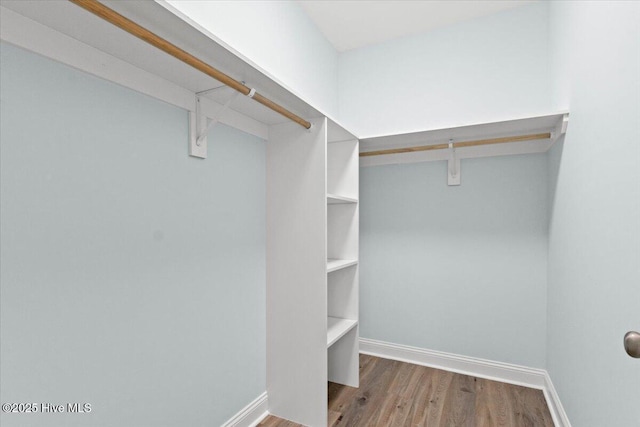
x=199 y=127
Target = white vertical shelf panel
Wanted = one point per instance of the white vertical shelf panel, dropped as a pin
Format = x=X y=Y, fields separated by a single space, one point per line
x=344 y=360
x=297 y=359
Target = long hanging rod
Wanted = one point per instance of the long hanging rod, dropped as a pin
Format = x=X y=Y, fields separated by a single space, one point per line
x=142 y=33
x=458 y=144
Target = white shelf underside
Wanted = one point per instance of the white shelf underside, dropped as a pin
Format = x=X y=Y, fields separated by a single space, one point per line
x=337 y=328
x=334 y=199
x=44 y=27
x=338 y=264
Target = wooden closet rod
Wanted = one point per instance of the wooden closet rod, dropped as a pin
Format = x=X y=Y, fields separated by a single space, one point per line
x=458 y=144
x=110 y=15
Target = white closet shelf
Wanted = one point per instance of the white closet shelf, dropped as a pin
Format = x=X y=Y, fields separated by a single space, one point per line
x=167 y=79
x=338 y=264
x=425 y=145
x=337 y=328
x=334 y=199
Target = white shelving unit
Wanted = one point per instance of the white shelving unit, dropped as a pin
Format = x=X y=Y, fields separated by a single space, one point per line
x=312 y=267
x=342 y=253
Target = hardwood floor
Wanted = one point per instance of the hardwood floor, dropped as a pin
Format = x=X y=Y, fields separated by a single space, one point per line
x=400 y=394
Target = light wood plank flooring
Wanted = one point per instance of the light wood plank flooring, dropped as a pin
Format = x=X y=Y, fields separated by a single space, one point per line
x=400 y=394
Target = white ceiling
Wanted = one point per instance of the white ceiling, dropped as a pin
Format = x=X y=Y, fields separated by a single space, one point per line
x=350 y=24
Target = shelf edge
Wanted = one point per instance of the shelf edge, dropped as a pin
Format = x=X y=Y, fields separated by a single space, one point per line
x=343 y=331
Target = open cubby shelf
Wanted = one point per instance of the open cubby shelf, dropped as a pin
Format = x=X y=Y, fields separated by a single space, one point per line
x=337 y=328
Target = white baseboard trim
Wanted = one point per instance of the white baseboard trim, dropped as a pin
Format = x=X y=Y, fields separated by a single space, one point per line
x=555 y=406
x=498 y=371
x=481 y=368
x=250 y=415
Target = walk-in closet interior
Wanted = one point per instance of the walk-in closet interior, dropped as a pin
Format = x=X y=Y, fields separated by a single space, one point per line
x=312 y=213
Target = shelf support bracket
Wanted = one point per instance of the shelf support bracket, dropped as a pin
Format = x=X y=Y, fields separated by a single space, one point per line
x=199 y=127
x=453 y=166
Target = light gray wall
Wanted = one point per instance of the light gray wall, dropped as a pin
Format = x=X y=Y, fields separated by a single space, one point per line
x=487 y=69
x=457 y=269
x=594 y=242
x=280 y=38
x=133 y=276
